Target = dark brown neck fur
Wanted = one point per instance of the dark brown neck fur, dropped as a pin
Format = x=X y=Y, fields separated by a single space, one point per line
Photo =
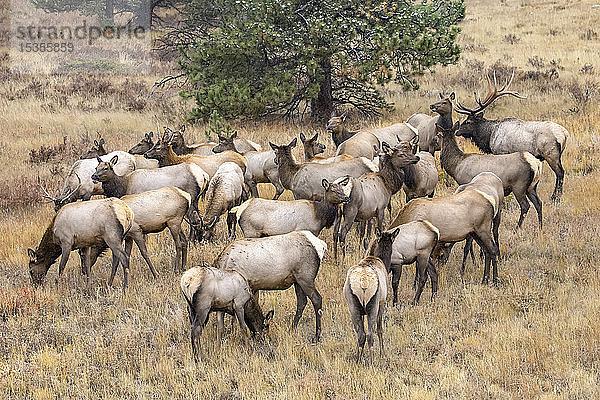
x=451 y=155
x=48 y=250
x=287 y=170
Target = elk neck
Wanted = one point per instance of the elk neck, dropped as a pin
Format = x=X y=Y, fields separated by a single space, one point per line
x=116 y=186
x=451 y=155
x=287 y=170
x=326 y=212
x=391 y=177
x=48 y=250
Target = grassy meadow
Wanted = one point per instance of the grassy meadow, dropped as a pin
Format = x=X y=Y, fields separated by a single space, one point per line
x=535 y=336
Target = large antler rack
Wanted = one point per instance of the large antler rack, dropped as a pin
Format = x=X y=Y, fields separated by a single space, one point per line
x=492 y=95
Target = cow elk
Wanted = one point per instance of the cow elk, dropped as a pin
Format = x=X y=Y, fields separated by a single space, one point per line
x=519 y=172
x=305 y=180
x=83 y=225
x=365 y=291
x=209 y=289
x=278 y=262
x=261 y=166
x=312 y=148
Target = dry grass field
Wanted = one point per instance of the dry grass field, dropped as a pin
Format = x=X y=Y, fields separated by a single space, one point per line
x=535 y=336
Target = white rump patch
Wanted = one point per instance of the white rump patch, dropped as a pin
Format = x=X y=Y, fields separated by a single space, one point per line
x=319 y=245
x=240 y=209
x=184 y=194
x=433 y=228
x=488 y=198
x=536 y=167
x=369 y=164
x=257 y=146
x=363 y=283
x=191 y=281
x=201 y=176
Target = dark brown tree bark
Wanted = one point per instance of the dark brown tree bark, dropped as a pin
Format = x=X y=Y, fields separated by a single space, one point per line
x=322 y=106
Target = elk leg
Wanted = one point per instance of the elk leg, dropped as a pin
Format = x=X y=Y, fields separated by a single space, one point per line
x=371 y=323
x=140 y=241
x=537 y=203
x=175 y=230
x=361 y=233
x=239 y=313
x=88 y=268
x=380 y=327
x=422 y=268
x=301 y=301
x=113 y=271
x=559 y=171
x=434 y=278
x=317 y=302
x=231 y=222
x=220 y=327
x=359 y=328
x=396 y=275
x=117 y=250
x=524 y=204
x=336 y=233
x=484 y=239
x=349 y=217
x=184 y=249
x=467 y=249
x=197 y=326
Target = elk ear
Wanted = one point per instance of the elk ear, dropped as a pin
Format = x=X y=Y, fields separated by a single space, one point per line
x=31 y=255
x=333 y=114
x=96 y=143
x=149 y=135
x=345 y=181
x=273 y=146
x=478 y=116
x=456 y=126
x=325 y=183
x=302 y=137
x=182 y=128
x=98 y=159
x=114 y=160
x=102 y=142
x=415 y=140
x=293 y=143
x=441 y=96
x=314 y=138
x=234 y=135
x=344 y=115
x=452 y=96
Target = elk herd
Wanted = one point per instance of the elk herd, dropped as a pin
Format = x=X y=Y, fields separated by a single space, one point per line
x=160 y=181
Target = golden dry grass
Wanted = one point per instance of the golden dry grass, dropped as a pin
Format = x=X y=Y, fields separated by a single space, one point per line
x=536 y=336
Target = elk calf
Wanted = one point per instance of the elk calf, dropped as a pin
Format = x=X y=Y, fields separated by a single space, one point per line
x=84 y=225
x=365 y=292
x=209 y=289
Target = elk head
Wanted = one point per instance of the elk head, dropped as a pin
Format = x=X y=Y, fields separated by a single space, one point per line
x=311 y=146
x=283 y=152
x=105 y=170
x=176 y=137
x=337 y=192
x=381 y=247
x=335 y=125
x=59 y=201
x=38 y=266
x=160 y=150
x=225 y=143
x=444 y=106
x=146 y=144
x=475 y=115
x=97 y=149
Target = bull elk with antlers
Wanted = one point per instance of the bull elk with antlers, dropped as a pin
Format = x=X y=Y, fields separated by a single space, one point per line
x=544 y=139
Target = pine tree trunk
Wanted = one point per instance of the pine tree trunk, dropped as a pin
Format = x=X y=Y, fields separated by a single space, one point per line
x=109 y=10
x=322 y=106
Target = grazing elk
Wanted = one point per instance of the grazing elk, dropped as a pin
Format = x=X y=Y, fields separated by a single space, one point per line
x=305 y=180
x=370 y=194
x=78 y=183
x=519 y=172
x=312 y=148
x=99 y=150
x=163 y=152
x=261 y=217
x=426 y=124
x=277 y=262
x=414 y=242
x=224 y=192
x=84 y=225
x=365 y=291
x=544 y=139
x=470 y=212
x=261 y=166
x=209 y=289
x=188 y=177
